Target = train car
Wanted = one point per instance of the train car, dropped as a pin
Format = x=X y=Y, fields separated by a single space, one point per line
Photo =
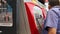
x=36 y=16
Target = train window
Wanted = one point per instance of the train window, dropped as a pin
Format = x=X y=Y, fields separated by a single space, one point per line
x=38 y=16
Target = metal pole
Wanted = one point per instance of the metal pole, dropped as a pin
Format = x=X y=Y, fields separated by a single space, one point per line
x=21 y=19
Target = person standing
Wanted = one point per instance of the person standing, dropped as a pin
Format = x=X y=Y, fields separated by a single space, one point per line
x=52 y=23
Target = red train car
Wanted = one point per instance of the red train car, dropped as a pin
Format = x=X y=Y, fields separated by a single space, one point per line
x=36 y=15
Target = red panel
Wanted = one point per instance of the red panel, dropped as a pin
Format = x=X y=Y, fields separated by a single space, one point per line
x=29 y=9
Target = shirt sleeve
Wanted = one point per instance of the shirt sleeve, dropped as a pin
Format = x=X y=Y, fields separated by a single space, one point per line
x=51 y=20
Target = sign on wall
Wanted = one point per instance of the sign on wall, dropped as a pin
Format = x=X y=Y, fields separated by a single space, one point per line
x=5 y=13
